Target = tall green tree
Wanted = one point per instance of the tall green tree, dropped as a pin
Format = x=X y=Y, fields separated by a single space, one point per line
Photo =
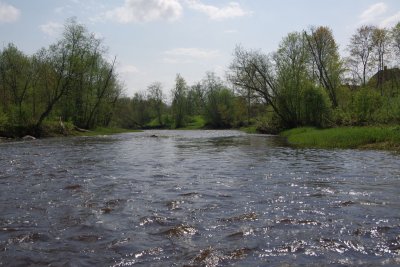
x=80 y=85
x=219 y=102
x=156 y=98
x=179 y=101
x=326 y=59
x=17 y=77
x=291 y=61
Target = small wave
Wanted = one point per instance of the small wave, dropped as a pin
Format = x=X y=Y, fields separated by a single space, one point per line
x=179 y=231
x=244 y=217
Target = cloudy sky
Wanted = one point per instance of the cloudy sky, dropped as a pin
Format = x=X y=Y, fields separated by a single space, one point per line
x=156 y=39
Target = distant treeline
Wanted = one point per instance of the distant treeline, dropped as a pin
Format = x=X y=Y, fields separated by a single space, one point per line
x=304 y=83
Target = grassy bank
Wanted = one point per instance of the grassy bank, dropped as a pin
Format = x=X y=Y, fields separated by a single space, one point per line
x=382 y=137
x=249 y=129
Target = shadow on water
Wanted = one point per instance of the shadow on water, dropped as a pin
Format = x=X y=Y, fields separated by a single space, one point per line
x=196 y=198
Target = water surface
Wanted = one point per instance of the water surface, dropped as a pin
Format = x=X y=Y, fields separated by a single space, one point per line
x=196 y=198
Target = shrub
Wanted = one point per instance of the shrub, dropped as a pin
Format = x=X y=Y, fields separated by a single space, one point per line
x=316 y=109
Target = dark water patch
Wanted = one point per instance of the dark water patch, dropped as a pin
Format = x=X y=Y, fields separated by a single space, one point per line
x=73 y=187
x=347 y=203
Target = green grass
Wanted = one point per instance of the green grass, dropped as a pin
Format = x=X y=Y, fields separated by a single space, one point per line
x=249 y=129
x=385 y=137
x=195 y=123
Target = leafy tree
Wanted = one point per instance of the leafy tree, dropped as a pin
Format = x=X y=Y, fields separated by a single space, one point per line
x=291 y=61
x=141 y=109
x=380 y=41
x=360 y=48
x=196 y=99
x=366 y=103
x=16 y=80
x=179 y=101
x=156 y=97
x=326 y=58
x=219 y=103
x=80 y=85
x=254 y=71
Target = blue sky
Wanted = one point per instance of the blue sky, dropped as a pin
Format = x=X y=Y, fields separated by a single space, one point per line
x=156 y=39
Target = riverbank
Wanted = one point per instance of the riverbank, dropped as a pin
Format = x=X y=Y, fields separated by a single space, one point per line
x=68 y=130
x=103 y=131
x=377 y=137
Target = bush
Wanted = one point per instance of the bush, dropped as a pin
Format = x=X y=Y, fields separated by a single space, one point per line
x=316 y=109
x=366 y=103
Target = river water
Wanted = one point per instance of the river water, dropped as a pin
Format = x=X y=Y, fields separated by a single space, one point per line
x=196 y=198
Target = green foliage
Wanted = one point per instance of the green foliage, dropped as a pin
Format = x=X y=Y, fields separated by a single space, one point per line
x=316 y=107
x=195 y=123
x=300 y=85
x=249 y=129
x=366 y=103
x=3 y=118
x=269 y=123
x=219 y=108
x=179 y=102
x=70 y=79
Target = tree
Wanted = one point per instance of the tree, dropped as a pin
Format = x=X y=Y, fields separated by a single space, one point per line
x=396 y=40
x=219 y=102
x=196 y=99
x=17 y=78
x=254 y=72
x=179 y=101
x=291 y=61
x=80 y=85
x=325 y=54
x=360 y=48
x=156 y=97
x=380 y=41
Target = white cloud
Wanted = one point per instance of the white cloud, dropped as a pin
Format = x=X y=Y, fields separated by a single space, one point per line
x=8 y=13
x=390 y=21
x=128 y=69
x=232 y=10
x=187 y=55
x=372 y=13
x=51 y=28
x=377 y=15
x=146 y=10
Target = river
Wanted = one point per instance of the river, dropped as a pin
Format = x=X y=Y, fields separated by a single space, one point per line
x=196 y=198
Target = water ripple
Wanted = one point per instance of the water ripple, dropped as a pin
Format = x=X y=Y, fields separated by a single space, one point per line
x=196 y=198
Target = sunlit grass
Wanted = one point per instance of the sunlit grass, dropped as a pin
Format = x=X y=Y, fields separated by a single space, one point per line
x=195 y=123
x=385 y=137
x=249 y=129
